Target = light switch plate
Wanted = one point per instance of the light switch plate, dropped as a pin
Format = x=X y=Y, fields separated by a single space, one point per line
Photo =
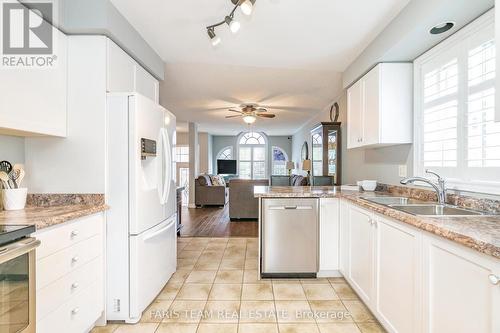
x=403 y=171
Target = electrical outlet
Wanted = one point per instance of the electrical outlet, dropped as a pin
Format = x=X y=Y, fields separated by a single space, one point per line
x=403 y=170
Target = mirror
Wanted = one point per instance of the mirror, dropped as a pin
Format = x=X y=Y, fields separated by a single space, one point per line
x=305 y=151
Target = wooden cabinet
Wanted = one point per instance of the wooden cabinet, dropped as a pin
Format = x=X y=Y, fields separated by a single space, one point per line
x=379 y=107
x=70 y=275
x=458 y=296
x=34 y=99
x=326 y=154
x=329 y=236
x=361 y=253
x=397 y=278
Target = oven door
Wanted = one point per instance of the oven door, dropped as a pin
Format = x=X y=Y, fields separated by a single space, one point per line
x=17 y=287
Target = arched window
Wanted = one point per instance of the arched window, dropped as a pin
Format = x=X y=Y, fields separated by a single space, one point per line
x=252 y=155
x=279 y=162
x=225 y=153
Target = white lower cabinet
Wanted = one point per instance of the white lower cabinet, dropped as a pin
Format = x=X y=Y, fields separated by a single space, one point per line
x=329 y=237
x=414 y=281
x=458 y=294
x=70 y=276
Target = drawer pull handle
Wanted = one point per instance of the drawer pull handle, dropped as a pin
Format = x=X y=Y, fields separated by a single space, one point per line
x=75 y=259
x=74 y=233
x=75 y=311
x=495 y=280
x=75 y=285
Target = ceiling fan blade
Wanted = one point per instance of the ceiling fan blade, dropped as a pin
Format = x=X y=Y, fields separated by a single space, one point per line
x=266 y=115
x=261 y=110
x=233 y=110
x=235 y=116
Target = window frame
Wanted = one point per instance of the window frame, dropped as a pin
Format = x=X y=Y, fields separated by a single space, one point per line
x=453 y=45
x=177 y=155
x=273 y=160
x=252 y=146
x=217 y=157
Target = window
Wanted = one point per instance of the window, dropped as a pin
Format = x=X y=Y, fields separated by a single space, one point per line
x=317 y=154
x=279 y=162
x=252 y=156
x=225 y=153
x=455 y=132
x=182 y=154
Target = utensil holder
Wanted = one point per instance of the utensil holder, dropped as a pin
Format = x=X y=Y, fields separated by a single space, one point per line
x=14 y=199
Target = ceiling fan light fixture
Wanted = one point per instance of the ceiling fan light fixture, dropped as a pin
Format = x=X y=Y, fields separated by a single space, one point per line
x=246 y=7
x=213 y=37
x=234 y=26
x=249 y=119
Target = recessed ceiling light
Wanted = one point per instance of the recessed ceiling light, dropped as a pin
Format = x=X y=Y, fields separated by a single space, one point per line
x=442 y=28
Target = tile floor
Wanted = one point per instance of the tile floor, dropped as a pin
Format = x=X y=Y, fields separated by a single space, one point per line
x=216 y=289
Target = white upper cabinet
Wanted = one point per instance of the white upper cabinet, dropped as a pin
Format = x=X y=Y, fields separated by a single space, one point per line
x=379 y=107
x=126 y=75
x=33 y=100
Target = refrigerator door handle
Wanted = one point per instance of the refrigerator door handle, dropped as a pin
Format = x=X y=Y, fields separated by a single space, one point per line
x=166 y=160
x=159 y=232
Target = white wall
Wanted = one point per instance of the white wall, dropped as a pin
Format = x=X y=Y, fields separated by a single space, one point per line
x=381 y=164
x=11 y=149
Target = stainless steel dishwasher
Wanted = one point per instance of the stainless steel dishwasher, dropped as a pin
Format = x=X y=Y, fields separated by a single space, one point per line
x=289 y=238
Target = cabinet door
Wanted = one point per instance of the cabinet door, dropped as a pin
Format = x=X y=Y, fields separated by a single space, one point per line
x=344 y=237
x=34 y=99
x=370 y=116
x=497 y=45
x=458 y=294
x=329 y=235
x=355 y=115
x=121 y=69
x=361 y=254
x=146 y=84
x=397 y=276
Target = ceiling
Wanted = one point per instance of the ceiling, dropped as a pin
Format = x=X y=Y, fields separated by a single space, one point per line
x=288 y=54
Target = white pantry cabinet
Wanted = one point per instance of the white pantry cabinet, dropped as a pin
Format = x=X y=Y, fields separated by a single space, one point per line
x=33 y=100
x=329 y=236
x=459 y=294
x=379 y=107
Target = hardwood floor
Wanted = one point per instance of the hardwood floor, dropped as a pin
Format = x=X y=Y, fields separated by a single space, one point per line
x=214 y=222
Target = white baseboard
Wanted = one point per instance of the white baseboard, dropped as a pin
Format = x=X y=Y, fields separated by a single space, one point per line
x=327 y=274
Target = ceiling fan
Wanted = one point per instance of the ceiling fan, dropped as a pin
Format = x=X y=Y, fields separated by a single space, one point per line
x=250 y=112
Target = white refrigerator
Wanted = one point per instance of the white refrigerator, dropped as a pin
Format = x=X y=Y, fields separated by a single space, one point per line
x=141 y=221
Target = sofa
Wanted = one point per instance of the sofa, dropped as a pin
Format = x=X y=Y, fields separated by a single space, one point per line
x=293 y=180
x=207 y=194
x=242 y=204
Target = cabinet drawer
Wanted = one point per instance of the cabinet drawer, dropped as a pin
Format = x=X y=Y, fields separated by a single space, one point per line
x=57 y=293
x=53 y=267
x=60 y=237
x=77 y=315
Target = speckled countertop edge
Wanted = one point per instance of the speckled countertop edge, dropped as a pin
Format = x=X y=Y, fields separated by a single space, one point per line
x=480 y=233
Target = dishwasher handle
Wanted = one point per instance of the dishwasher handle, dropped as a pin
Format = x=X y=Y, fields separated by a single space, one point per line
x=291 y=207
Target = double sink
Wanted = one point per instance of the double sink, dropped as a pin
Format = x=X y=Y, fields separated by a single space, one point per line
x=417 y=207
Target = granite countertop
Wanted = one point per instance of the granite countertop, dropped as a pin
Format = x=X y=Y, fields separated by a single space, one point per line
x=51 y=212
x=478 y=232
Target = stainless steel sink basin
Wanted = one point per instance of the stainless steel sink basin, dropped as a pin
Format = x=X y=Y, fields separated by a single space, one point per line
x=434 y=210
x=391 y=200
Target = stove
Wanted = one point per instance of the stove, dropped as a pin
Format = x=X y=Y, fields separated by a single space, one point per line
x=12 y=233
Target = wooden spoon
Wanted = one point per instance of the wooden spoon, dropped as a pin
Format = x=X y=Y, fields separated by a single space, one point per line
x=4 y=178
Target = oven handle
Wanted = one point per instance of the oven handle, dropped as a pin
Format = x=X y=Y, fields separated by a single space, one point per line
x=17 y=249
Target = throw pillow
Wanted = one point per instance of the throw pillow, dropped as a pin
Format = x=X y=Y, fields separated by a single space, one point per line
x=217 y=181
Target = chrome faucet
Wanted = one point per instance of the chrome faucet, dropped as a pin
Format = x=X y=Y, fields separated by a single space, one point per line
x=440 y=187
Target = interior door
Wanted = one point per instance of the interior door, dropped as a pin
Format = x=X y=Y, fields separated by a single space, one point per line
x=147 y=175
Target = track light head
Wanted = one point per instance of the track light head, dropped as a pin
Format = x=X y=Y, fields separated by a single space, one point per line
x=213 y=37
x=246 y=6
x=234 y=26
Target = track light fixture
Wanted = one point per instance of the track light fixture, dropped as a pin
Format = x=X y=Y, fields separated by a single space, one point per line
x=246 y=7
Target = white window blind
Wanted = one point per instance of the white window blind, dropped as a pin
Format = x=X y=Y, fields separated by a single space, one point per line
x=455 y=132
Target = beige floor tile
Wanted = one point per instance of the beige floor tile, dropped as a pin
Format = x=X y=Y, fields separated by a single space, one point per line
x=232 y=264
x=212 y=254
x=217 y=328
x=257 y=292
x=330 y=311
x=221 y=312
x=294 y=312
x=137 y=328
x=185 y=312
x=371 y=328
x=156 y=311
x=257 y=312
x=251 y=263
x=251 y=276
x=237 y=240
x=257 y=328
x=194 y=292
x=316 y=292
x=288 y=291
x=200 y=240
x=225 y=292
x=252 y=253
x=293 y=281
x=344 y=291
x=104 y=329
x=298 y=328
x=313 y=281
x=179 y=276
x=177 y=328
x=338 y=328
x=186 y=254
x=235 y=276
x=169 y=291
x=194 y=246
x=337 y=280
x=235 y=253
x=216 y=246
x=201 y=277
x=359 y=311
x=219 y=240
x=186 y=264
x=207 y=265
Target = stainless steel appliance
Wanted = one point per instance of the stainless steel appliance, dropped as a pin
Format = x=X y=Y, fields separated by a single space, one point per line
x=17 y=279
x=289 y=238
